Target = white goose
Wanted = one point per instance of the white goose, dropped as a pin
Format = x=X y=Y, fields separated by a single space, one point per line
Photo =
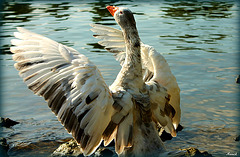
x=128 y=111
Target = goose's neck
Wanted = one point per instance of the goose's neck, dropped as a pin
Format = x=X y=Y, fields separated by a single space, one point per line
x=132 y=42
x=130 y=75
x=133 y=52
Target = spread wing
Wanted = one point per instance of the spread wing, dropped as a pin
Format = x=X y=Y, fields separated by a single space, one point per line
x=69 y=82
x=160 y=94
x=155 y=68
x=158 y=70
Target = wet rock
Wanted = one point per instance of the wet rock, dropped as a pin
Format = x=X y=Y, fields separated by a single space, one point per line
x=188 y=152
x=4 y=147
x=166 y=136
x=69 y=148
x=179 y=128
x=6 y=122
x=40 y=148
x=238 y=79
x=237 y=138
x=104 y=152
x=194 y=152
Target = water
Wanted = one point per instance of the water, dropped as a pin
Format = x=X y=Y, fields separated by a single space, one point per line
x=199 y=39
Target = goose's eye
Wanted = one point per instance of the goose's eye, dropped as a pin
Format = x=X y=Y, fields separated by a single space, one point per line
x=121 y=12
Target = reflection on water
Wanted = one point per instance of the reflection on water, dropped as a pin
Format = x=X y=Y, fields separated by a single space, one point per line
x=198 y=38
x=100 y=12
x=187 y=10
x=13 y=12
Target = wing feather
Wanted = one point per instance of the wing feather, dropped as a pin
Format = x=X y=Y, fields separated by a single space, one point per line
x=69 y=82
x=161 y=73
x=124 y=133
x=112 y=40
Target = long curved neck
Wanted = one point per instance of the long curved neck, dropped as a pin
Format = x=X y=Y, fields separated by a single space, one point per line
x=133 y=52
x=130 y=75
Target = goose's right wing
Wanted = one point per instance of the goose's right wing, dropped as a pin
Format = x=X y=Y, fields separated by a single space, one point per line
x=69 y=82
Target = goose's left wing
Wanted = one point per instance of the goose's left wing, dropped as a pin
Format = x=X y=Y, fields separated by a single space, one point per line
x=69 y=82
x=157 y=70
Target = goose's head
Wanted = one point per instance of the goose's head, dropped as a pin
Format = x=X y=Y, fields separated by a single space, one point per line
x=123 y=16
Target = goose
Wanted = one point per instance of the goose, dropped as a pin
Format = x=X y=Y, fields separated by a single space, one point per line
x=144 y=95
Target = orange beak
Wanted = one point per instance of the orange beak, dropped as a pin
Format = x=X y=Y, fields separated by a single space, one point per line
x=112 y=9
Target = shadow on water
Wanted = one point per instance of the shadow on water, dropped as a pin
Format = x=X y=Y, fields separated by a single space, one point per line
x=23 y=12
x=195 y=40
x=13 y=13
x=100 y=14
x=13 y=10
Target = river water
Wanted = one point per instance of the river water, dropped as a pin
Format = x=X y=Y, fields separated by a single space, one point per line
x=199 y=39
